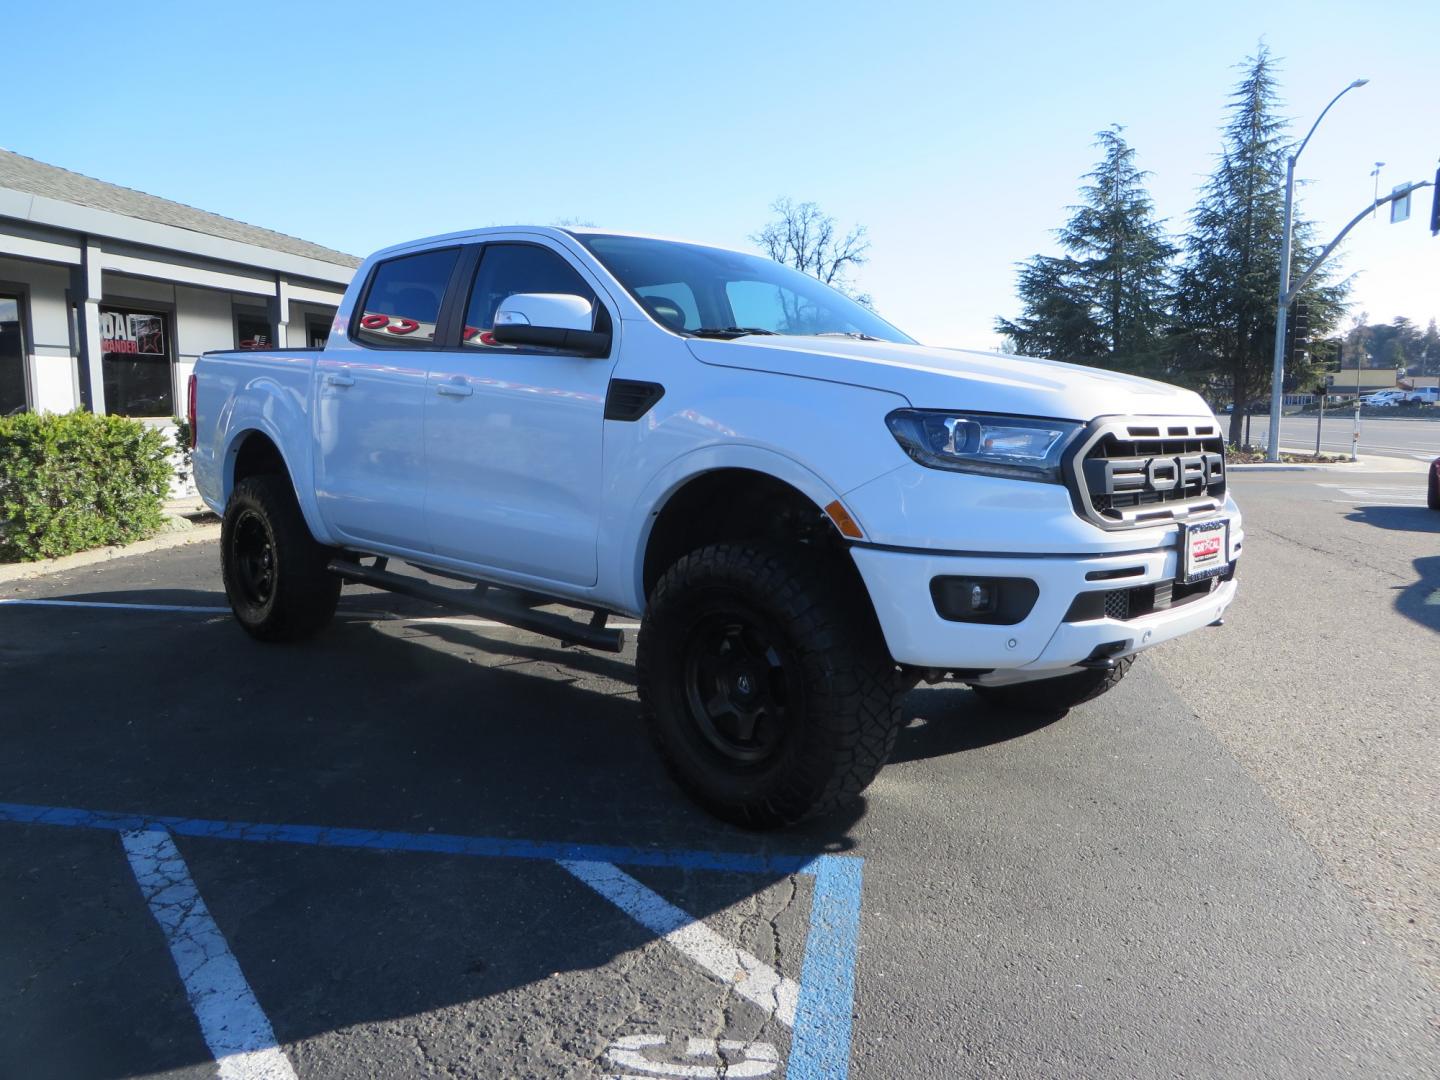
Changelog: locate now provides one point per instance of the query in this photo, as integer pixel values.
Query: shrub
(78, 481)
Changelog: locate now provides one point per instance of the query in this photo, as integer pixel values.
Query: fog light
(999, 601)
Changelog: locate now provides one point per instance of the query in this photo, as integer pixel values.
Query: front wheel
(766, 684)
(1057, 695)
(274, 571)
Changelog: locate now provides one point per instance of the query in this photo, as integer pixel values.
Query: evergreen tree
(1104, 302)
(1430, 351)
(1058, 323)
(1230, 282)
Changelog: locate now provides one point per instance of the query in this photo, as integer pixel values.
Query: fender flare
(639, 522)
(265, 407)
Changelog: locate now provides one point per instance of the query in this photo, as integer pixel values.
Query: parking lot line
(746, 974)
(820, 1043)
(11, 602)
(231, 1020)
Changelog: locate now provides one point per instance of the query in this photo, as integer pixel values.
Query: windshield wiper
(728, 331)
(854, 334)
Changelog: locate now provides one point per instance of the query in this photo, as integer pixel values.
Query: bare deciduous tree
(805, 237)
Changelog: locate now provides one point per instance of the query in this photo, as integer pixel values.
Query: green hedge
(78, 481)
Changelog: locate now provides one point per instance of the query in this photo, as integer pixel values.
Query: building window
(12, 357)
(317, 331)
(253, 330)
(136, 360)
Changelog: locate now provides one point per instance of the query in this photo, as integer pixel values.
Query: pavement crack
(1319, 550)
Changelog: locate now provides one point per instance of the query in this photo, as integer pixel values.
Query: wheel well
(737, 504)
(256, 455)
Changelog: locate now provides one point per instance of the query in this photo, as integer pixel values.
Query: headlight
(1015, 446)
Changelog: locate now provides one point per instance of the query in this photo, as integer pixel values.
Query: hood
(933, 378)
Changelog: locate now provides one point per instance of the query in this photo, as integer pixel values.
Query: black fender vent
(630, 400)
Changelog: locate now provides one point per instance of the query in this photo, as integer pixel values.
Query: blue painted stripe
(386, 840)
(820, 1046)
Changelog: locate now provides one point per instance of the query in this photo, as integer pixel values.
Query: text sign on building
(133, 333)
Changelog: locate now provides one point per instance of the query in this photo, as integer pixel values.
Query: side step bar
(490, 602)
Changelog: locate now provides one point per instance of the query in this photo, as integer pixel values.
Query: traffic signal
(1435, 207)
(1297, 331)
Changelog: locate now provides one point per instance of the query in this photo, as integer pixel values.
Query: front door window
(136, 350)
(12, 357)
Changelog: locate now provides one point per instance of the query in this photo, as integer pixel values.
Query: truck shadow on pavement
(390, 724)
(949, 720)
(1419, 519)
(1421, 601)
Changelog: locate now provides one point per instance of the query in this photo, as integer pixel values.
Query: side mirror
(552, 320)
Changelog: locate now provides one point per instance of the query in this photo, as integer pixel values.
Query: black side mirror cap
(584, 342)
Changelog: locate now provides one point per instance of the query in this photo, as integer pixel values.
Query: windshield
(710, 292)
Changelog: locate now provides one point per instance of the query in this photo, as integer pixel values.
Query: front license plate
(1203, 550)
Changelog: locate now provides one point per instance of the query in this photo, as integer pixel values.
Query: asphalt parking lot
(422, 846)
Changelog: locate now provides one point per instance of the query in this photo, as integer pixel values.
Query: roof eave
(42, 210)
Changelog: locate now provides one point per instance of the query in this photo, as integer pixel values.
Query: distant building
(107, 295)
(1367, 380)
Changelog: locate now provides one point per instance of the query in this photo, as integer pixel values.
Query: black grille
(1140, 600)
(1138, 474)
(1117, 604)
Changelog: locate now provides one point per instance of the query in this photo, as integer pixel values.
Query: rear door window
(402, 304)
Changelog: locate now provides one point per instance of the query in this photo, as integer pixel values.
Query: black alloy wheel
(253, 552)
(765, 682)
(736, 687)
(275, 573)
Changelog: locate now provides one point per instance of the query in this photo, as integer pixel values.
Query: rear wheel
(1054, 696)
(766, 684)
(274, 571)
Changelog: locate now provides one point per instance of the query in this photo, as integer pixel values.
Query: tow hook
(1218, 622)
(1103, 658)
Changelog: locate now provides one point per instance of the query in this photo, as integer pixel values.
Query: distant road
(1388, 438)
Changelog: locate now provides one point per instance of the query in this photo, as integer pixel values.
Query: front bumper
(1044, 643)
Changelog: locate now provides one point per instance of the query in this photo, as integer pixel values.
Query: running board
(490, 602)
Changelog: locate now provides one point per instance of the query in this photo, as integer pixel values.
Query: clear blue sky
(955, 132)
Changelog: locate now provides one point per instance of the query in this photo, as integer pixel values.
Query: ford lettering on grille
(1136, 471)
(1191, 474)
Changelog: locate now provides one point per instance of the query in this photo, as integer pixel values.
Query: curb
(1278, 466)
(197, 534)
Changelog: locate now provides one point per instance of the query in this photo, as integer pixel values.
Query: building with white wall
(107, 295)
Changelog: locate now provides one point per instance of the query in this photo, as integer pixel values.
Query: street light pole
(1282, 308)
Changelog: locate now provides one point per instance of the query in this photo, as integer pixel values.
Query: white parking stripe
(746, 974)
(113, 606)
(231, 1020)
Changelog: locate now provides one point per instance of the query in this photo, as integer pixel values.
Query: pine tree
(1430, 351)
(1105, 302)
(1058, 323)
(1230, 282)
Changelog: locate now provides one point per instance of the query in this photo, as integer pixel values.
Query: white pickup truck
(808, 511)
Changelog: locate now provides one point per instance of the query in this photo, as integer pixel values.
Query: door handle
(454, 389)
(339, 380)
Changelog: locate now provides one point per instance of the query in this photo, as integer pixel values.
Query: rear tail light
(190, 409)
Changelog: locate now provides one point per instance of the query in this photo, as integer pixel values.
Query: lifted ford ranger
(808, 511)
